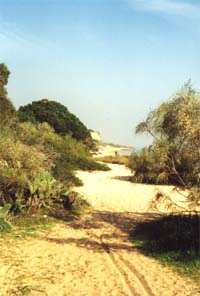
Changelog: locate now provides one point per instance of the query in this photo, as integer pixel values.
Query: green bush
(73, 201)
(38, 158)
(88, 164)
(57, 116)
(114, 159)
(5, 225)
(144, 167)
(7, 110)
(26, 181)
(173, 157)
(148, 167)
(67, 153)
(45, 192)
(36, 165)
(20, 164)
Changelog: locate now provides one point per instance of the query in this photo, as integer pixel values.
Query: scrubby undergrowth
(173, 157)
(38, 162)
(114, 159)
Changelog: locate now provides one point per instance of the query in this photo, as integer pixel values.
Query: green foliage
(174, 155)
(145, 167)
(73, 201)
(57, 116)
(37, 166)
(20, 164)
(38, 159)
(5, 225)
(7, 110)
(4, 74)
(114, 159)
(26, 182)
(88, 164)
(45, 191)
(67, 153)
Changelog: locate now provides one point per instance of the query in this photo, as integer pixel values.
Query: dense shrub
(57, 116)
(145, 167)
(20, 164)
(26, 181)
(5, 225)
(38, 160)
(69, 154)
(114, 159)
(88, 164)
(37, 165)
(174, 155)
(4, 75)
(7, 110)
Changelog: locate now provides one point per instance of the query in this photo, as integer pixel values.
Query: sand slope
(110, 191)
(93, 256)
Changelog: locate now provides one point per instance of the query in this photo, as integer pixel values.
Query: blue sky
(109, 61)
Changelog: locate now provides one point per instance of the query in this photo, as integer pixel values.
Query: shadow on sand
(159, 233)
(103, 220)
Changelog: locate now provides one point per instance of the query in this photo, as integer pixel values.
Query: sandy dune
(93, 256)
(107, 150)
(110, 191)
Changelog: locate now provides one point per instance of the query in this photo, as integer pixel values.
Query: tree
(57, 116)
(174, 156)
(4, 75)
(7, 110)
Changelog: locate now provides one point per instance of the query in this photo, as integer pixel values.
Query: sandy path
(110, 191)
(93, 256)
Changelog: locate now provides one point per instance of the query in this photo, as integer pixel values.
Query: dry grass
(114, 159)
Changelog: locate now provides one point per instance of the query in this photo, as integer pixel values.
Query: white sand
(108, 150)
(93, 256)
(105, 191)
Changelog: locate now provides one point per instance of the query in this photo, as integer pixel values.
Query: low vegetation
(5, 225)
(172, 158)
(57, 116)
(114, 159)
(41, 147)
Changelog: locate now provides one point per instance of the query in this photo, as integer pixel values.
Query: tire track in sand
(140, 277)
(117, 260)
(122, 274)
